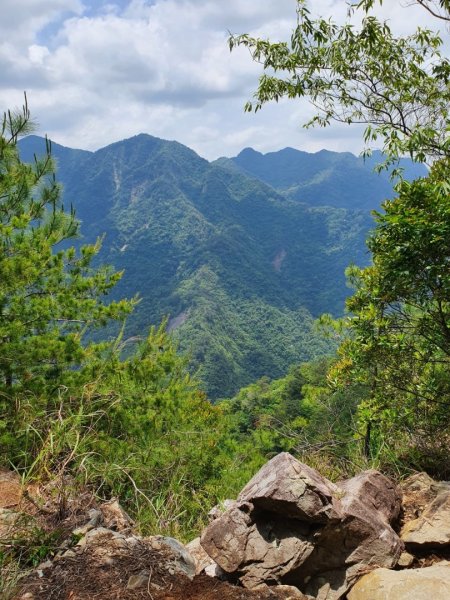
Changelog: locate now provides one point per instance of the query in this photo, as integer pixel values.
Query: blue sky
(98, 71)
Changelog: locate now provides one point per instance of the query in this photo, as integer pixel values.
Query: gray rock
(213, 570)
(141, 580)
(181, 560)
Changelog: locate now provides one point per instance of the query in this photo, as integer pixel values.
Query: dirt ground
(90, 575)
(80, 579)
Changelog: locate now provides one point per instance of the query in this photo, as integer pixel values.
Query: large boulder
(290, 488)
(427, 513)
(375, 491)
(292, 526)
(258, 548)
(409, 584)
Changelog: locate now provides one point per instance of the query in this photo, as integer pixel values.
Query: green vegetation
(397, 334)
(301, 414)
(124, 416)
(199, 240)
(74, 410)
(400, 329)
(49, 296)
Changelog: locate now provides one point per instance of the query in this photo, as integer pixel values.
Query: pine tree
(50, 296)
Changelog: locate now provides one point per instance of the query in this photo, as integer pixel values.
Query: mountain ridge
(242, 267)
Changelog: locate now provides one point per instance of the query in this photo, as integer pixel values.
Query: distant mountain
(240, 268)
(324, 178)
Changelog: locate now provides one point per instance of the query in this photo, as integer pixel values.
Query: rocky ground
(290, 534)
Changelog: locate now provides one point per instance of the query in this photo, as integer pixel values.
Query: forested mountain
(324, 178)
(241, 269)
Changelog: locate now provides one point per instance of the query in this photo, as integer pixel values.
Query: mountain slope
(240, 269)
(324, 178)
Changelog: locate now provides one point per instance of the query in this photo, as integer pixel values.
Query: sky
(98, 71)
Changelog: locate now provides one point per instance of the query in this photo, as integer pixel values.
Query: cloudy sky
(97, 71)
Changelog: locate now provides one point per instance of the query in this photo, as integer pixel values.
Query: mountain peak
(249, 152)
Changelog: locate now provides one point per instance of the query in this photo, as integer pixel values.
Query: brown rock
(376, 491)
(218, 510)
(419, 491)
(288, 592)
(290, 488)
(281, 592)
(432, 528)
(114, 517)
(409, 584)
(263, 550)
(291, 526)
(201, 558)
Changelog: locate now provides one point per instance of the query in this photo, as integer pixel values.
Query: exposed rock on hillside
(293, 526)
(418, 584)
(428, 512)
(290, 534)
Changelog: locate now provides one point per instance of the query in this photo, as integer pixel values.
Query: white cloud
(97, 72)
(21, 20)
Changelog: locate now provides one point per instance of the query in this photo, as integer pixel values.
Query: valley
(241, 255)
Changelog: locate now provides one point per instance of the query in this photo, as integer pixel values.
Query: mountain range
(240, 254)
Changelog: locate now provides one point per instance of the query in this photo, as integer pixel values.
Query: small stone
(288, 592)
(82, 531)
(115, 517)
(213, 570)
(281, 592)
(406, 560)
(95, 516)
(182, 561)
(107, 561)
(201, 558)
(138, 581)
(156, 587)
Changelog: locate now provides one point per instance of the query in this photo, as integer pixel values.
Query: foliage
(398, 344)
(197, 241)
(301, 414)
(362, 73)
(50, 297)
(129, 423)
(400, 328)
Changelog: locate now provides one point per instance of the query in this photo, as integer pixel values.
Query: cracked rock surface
(292, 526)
